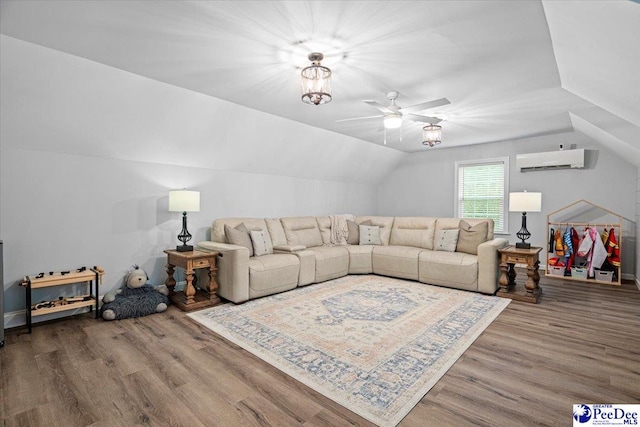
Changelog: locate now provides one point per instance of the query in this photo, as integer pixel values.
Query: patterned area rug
(373, 344)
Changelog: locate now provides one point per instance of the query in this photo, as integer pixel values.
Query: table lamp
(184, 201)
(524, 202)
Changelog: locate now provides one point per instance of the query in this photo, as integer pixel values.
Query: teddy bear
(135, 298)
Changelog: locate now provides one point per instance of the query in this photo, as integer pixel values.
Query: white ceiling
(508, 73)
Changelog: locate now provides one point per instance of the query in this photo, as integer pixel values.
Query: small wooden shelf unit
(89, 276)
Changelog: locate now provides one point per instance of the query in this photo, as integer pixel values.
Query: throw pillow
(470, 237)
(239, 236)
(261, 243)
(446, 240)
(369, 235)
(354, 231)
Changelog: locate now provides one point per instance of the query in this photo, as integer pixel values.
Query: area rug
(373, 344)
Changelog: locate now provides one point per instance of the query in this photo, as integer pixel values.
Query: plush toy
(136, 298)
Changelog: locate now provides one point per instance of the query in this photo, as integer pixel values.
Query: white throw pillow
(261, 244)
(369, 235)
(446, 240)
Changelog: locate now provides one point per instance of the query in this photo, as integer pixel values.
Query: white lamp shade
(525, 202)
(392, 121)
(184, 201)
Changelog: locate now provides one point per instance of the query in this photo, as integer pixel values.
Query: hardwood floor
(581, 344)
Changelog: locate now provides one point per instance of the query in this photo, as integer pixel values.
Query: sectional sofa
(409, 248)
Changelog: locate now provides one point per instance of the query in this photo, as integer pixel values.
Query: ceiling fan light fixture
(392, 121)
(316, 81)
(432, 135)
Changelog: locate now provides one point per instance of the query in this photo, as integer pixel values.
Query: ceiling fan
(393, 115)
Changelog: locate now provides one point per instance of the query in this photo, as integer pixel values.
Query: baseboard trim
(17, 318)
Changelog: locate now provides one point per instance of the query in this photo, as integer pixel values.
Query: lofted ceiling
(510, 69)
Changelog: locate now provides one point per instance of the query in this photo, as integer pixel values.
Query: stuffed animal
(135, 298)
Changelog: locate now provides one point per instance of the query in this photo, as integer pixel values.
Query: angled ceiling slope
(596, 48)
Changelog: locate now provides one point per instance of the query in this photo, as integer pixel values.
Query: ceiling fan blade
(425, 105)
(359, 118)
(422, 119)
(376, 104)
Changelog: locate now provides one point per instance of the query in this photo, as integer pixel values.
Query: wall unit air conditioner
(551, 160)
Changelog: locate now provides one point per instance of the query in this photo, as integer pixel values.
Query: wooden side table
(510, 256)
(192, 298)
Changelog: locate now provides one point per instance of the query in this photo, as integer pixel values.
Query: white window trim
(505, 213)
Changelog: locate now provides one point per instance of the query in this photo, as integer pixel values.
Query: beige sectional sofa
(302, 255)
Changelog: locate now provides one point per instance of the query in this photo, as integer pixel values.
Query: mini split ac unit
(551, 160)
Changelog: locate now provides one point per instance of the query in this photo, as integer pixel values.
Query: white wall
(423, 184)
(89, 153)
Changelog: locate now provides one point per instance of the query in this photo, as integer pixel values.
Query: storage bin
(604, 276)
(556, 271)
(578, 272)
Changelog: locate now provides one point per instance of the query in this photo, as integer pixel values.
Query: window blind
(481, 192)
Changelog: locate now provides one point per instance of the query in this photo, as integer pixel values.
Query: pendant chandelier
(316, 81)
(432, 135)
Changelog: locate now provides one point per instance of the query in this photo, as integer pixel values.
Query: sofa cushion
(217, 228)
(273, 273)
(360, 259)
(446, 240)
(324, 225)
(452, 269)
(354, 231)
(416, 231)
(369, 235)
(274, 226)
(396, 261)
(261, 243)
(239, 235)
(451, 223)
(331, 262)
(384, 222)
(471, 236)
(302, 231)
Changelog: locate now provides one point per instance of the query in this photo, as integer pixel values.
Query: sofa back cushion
(324, 224)
(217, 228)
(384, 222)
(453, 223)
(276, 231)
(302, 230)
(416, 231)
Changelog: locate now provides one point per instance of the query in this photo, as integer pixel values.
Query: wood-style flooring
(581, 344)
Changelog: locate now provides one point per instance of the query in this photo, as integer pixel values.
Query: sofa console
(273, 255)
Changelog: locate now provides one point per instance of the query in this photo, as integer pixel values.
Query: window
(481, 191)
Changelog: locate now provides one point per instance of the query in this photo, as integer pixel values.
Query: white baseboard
(14, 319)
(17, 318)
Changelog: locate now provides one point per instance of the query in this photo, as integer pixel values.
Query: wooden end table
(192, 297)
(510, 256)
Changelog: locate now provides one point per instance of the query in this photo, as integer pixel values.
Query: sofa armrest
(233, 270)
(489, 265)
(288, 248)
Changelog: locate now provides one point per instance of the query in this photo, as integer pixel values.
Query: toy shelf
(579, 215)
(82, 275)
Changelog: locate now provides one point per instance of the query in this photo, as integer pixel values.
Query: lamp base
(184, 248)
(523, 245)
